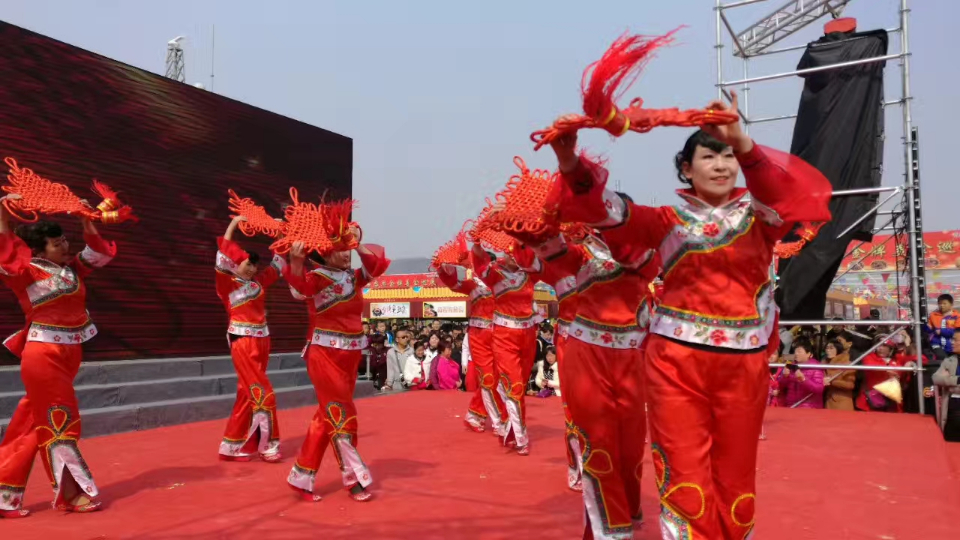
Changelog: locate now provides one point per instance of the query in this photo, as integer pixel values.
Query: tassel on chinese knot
(607, 79)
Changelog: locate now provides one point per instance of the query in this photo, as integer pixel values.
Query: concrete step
(96, 396)
(142, 416)
(126, 371)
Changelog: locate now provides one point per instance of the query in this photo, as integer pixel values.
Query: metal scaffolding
(175, 68)
(757, 40)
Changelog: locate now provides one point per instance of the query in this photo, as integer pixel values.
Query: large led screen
(172, 151)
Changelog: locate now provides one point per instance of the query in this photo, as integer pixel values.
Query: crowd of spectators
(800, 385)
(435, 355)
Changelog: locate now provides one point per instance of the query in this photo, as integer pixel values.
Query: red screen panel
(172, 151)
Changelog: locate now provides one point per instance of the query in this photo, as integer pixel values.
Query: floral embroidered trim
(708, 320)
(767, 215)
(249, 291)
(737, 334)
(597, 462)
(62, 280)
(552, 249)
(697, 236)
(94, 259)
(618, 211)
(45, 333)
(598, 271)
(263, 422)
(11, 497)
(512, 281)
(225, 264)
(342, 289)
(565, 287)
(673, 521)
(517, 323)
(301, 477)
(612, 337)
(477, 322)
(643, 313)
(237, 328)
(338, 340)
(481, 291)
(58, 441)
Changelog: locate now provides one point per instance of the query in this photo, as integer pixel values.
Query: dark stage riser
(134, 395)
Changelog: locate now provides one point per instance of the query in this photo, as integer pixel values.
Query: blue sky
(439, 96)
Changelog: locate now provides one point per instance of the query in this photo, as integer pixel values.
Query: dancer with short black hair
(48, 281)
(253, 427)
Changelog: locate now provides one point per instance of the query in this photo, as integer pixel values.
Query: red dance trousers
(706, 412)
(513, 353)
(253, 425)
(486, 401)
(605, 395)
(334, 376)
(46, 420)
(571, 435)
(471, 379)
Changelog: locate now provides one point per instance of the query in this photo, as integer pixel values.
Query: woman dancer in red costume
(253, 427)
(560, 266)
(333, 354)
(706, 362)
(514, 331)
(36, 264)
(486, 400)
(602, 374)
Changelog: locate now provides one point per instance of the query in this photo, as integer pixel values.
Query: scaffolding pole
(775, 28)
(911, 191)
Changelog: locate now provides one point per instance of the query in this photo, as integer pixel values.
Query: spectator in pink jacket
(801, 388)
(445, 371)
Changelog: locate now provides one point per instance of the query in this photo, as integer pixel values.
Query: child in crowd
(414, 373)
(548, 376)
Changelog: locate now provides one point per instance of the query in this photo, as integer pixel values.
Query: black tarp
(839, 130)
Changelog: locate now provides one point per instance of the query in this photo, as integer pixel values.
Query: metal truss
(785, 21)
(756, 41)
(175, 64)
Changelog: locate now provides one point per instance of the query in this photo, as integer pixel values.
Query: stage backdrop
(173, 151)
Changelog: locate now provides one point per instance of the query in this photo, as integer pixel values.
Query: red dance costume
(53, 300)
(560, 269)
(486, 400)
(706, 364)
(253, 426)
(603, 367)
(514, 337)
(333, 355)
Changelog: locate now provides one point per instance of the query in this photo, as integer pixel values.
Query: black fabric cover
(839, 130)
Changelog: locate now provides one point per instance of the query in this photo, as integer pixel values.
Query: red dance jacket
(561, 263)
(245, 300)
(613, 298)
(336, 304)
(458, 279)
(717, 261)
(512, 290)
(53, 297)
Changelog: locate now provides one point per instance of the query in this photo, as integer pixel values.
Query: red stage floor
(822, 475)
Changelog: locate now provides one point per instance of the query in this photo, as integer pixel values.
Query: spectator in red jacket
(869, 398)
